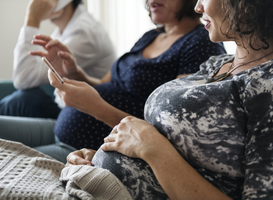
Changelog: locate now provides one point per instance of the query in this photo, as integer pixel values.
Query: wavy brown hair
(75, 3)
(253, 18)
(187, 9)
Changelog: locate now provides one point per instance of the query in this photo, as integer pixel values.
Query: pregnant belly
(134, 173)
(121, 166)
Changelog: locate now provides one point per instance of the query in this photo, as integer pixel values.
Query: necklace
(230, 70)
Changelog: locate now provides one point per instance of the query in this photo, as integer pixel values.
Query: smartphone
(61, 4)
(55, 73)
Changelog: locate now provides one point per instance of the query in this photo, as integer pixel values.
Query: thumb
(72, 82)
(109, 146)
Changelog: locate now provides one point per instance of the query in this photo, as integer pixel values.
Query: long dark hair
(75, 3)
(253, 18)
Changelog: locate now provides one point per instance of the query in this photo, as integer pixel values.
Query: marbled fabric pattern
(223, 129)
(134, 173)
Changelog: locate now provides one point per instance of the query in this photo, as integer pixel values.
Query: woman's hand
(79, 95)
(137, 138)
(80, 157)
(58, 55)
(82, 96)
(39, 10)
(134, 137)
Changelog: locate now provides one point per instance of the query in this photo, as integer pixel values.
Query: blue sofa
(6, 88)
(22, 125)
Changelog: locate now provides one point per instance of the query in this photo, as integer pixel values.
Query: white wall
(12, 14)
(125, 20)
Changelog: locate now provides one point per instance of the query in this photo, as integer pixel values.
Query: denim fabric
(29, 103)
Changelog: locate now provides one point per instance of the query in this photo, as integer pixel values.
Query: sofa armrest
(15, 127)
(6, 88)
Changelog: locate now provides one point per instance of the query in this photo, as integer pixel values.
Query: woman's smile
(155, 6)
(207, 23)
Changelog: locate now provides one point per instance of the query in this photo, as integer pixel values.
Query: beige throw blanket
(27, 174)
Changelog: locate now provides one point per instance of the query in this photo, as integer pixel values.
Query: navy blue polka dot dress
(133, 79)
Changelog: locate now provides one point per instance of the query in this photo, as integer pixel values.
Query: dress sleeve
(258, 104)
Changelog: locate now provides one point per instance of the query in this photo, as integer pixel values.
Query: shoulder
(198, 34)
(85, 27)
(214, 62)
(86, 22)
(260, 77)
(219, 59)
(198, 40)
(264, 68)
(146, 38)
(83, 21)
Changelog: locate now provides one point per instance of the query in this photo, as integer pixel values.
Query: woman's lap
(80, 130)
(29, 103)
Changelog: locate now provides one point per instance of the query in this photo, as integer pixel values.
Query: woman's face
(213, 16)
(164, 11)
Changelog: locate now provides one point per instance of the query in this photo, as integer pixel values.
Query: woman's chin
(158, 20)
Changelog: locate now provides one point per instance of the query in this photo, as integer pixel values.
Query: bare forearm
(95, 81)
(178, 178)
(103, 111)
(32, 21)
(110, 115)
(81, 75)
(38, 11)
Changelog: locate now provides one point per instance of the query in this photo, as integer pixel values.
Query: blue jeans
(36, 133)
(29, 103)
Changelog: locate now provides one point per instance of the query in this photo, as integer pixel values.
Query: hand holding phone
(55, 73)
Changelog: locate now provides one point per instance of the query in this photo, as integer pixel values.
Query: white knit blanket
(27, 174)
